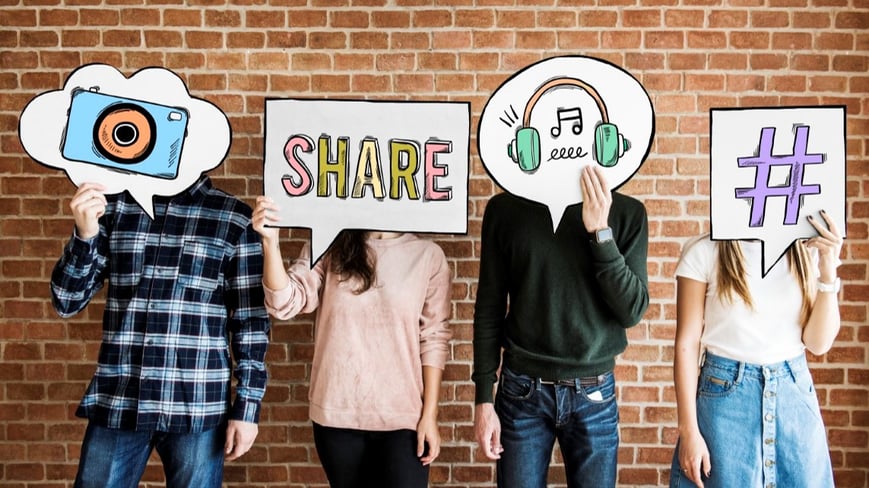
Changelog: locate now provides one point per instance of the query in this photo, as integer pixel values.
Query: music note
(565, 115)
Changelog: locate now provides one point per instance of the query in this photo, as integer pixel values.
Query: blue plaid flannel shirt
(183, 289)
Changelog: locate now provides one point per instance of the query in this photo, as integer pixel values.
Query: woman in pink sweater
(381, 342)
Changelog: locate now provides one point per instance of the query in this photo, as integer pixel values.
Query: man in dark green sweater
(558, 304)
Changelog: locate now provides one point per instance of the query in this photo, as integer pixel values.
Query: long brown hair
(350, 257)
(731, 274)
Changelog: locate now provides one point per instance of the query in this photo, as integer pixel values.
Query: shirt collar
(194, 192)
(199, 189)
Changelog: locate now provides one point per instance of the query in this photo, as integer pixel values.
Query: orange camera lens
(125, 133)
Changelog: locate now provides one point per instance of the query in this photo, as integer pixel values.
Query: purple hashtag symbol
(793, 190)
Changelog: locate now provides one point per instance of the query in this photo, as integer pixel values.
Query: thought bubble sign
(771, 169)
(551, 119)
(144, 134)
(332, 165)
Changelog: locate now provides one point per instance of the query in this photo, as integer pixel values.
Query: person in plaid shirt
(184, 299)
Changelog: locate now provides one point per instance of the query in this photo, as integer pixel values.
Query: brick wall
(690, 55)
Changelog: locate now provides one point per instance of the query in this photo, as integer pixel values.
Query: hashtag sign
(793, 190)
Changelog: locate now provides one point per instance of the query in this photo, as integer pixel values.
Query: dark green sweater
(570, 299)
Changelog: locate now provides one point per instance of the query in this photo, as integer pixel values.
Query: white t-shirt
(768, 333)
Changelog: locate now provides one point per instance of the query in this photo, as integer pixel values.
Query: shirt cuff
(483, 393)
(246, 410)
(81, 250)
(605, 251)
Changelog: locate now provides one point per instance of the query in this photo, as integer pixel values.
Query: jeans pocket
(713, 384)
(802, 381)
(515, 386)
(603, 392)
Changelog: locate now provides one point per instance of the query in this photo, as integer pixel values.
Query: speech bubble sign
(144, 134)
(551, 119)
(773, 167)
(332, 165)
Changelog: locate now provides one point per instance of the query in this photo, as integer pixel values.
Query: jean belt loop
(538, 384)
(740, 371)
(577, 385)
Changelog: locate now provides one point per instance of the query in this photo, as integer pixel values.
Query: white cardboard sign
(771, 169)
(144, 134)
(551, 119)
(349, 164)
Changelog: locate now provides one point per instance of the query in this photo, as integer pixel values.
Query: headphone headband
(526, 119)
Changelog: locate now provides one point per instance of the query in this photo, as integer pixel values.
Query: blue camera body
(128, 135)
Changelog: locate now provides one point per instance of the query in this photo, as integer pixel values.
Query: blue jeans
(584, 419)
(762, 426)
(113, 458)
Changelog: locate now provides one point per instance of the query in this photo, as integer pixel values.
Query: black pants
(363, 458)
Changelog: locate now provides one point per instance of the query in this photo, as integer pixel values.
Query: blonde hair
(731, 275)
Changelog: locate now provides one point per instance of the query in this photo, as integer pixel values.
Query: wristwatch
(830, 287)
(603, 235)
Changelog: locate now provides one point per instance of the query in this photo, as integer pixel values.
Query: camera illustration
(128, 135)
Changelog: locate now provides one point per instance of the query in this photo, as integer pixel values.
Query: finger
(588, 194)
(269, 205)
(707, 465)
(828, 231)
(420, 444)
(489, 446)
(88, 195)
(830, 223)
(600, 185)
(692, 472)
(822, 231)
(229, 445)
(487, 450)
(89, 204)
(433, 452)
(497, 448)
(238, 451)
(91, 211)
(593, 180)
(232, 456)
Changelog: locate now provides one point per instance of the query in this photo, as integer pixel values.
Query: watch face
(603, 235)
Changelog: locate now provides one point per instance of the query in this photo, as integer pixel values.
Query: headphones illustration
(609, 145)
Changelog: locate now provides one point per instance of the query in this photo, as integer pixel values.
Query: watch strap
(833, 287)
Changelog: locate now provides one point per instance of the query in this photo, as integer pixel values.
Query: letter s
(304, 185)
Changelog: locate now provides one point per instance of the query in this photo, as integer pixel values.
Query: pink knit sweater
(370, 348)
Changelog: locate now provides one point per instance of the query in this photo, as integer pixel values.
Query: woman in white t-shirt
(747, 409)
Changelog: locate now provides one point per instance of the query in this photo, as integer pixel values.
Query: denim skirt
(762, 426)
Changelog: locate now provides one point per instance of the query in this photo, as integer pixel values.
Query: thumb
(230, 441)
(420, 444)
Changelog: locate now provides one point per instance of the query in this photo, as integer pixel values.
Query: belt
(585, 381)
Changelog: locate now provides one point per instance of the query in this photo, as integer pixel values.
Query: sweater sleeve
(620, 264)
(302, 293)
(490, 308)
(434, 330)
